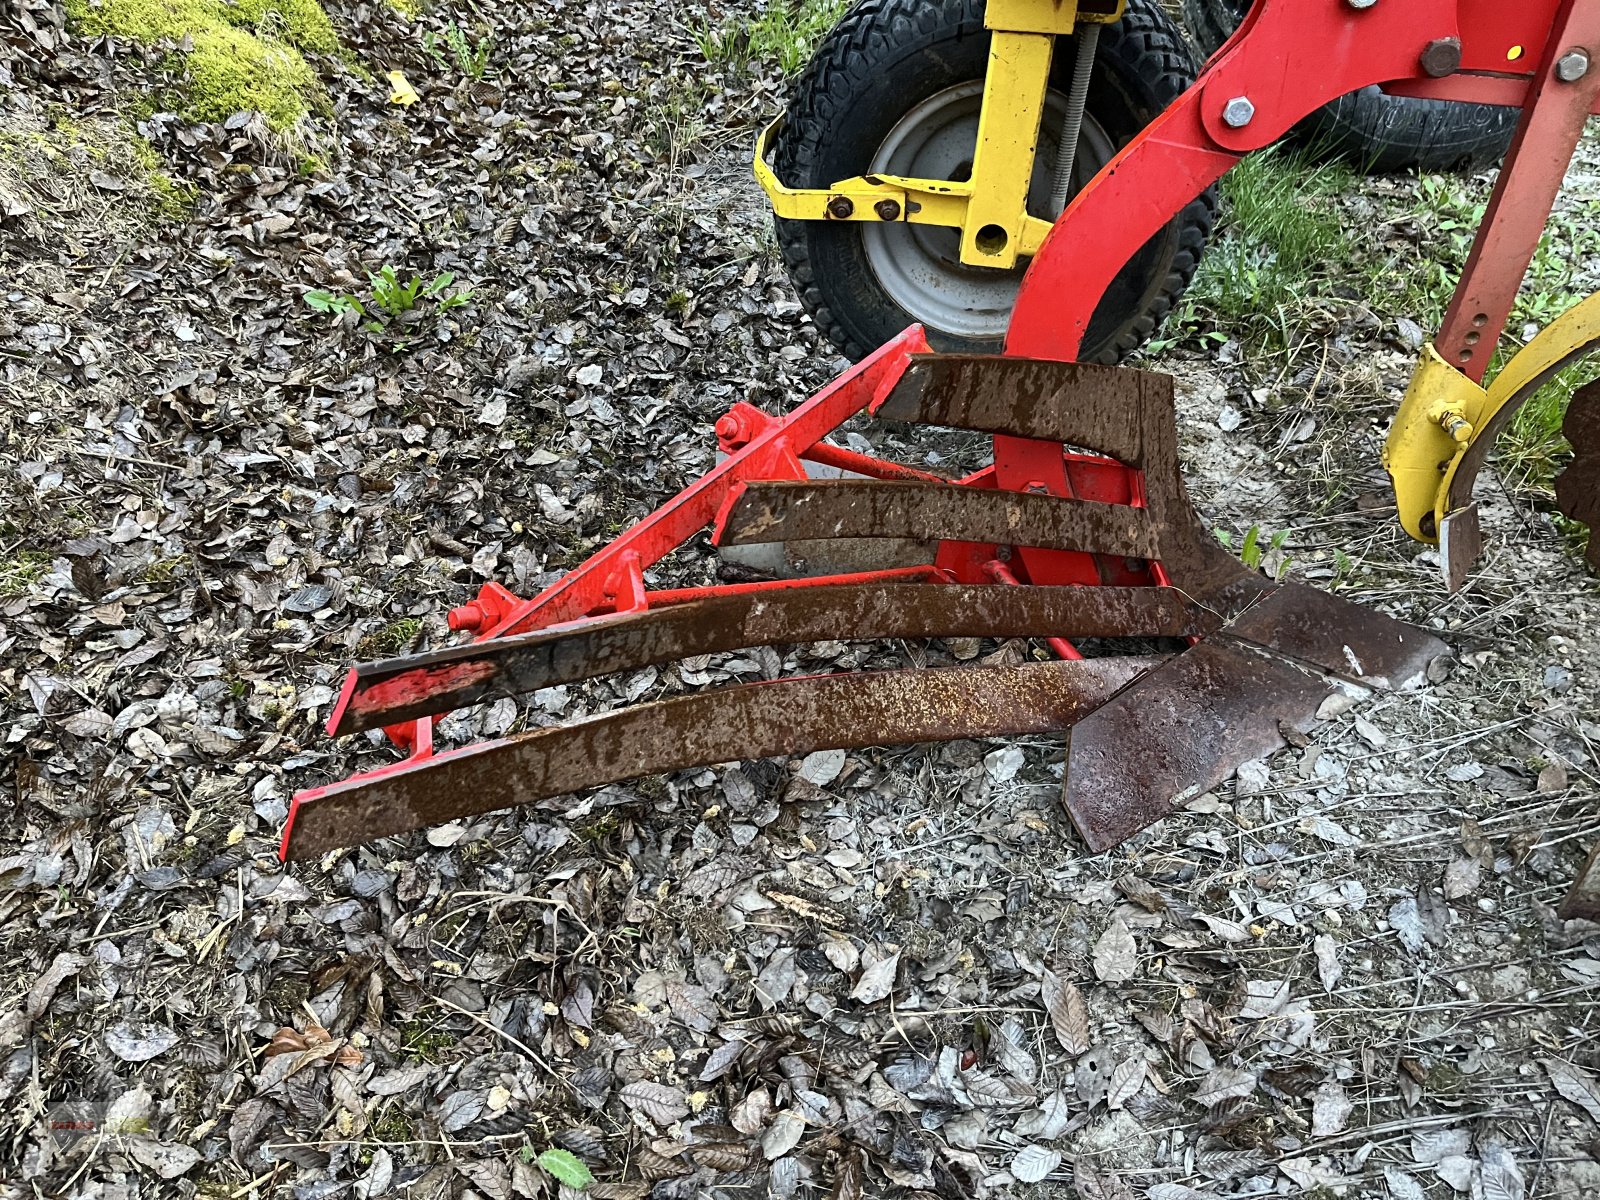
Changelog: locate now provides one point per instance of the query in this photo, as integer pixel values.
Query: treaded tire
(887, 56)
(1375, 133)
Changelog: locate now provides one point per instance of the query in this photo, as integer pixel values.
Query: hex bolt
(887, 210)
(841, 208)
(731, 431)
(1573, 65)
(1238, 112)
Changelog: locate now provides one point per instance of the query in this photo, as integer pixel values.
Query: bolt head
(1361, 3)
(1572, 66)
(841, 208)
(467, 617)
(1442, 57)
(887, 210)
(1238, 112)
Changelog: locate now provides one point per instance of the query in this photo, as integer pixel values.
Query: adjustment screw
(841, 208)
(1572, 66)
(887, 210)
(1238, 112)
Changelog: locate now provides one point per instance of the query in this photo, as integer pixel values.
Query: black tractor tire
(1375, 133)
(884, 59)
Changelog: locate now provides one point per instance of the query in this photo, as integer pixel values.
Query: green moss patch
(242, 56)
(21, 571)
(98, 169)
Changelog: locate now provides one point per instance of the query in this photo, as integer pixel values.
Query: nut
(887, 210)
(841, 208)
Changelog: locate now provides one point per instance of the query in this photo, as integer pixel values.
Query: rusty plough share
(1080, 528)
(1148, 729)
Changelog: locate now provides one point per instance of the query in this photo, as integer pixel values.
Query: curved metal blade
(1082, 404)
(787, 716)
(398, 689)
(1578, 486)
(1181, 729)
(787, 511)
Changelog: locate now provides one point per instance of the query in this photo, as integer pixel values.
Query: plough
(1080, 527)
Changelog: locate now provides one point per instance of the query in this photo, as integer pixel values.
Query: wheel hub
(920, 266)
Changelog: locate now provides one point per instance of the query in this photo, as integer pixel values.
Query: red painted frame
(1288, 57)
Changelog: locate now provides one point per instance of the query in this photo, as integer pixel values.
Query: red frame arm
(1288, 58)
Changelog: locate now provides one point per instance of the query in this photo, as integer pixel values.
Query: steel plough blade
(383, 693)
(1178, 731)
(1147, 733)
(1084, 404)
(1578, 486)
(853, 508)
(786, 716)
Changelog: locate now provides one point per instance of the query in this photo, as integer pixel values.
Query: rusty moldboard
(1583, 898)
(786, 716)
(784, 511)
(1178, 731)
(1080, 404)
(1338, 637)
(1148, 733)
(1578, 486)
(438, 681)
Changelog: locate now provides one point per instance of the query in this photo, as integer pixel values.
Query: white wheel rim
(919, 266)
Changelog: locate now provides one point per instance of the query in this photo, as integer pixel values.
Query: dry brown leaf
(1069, 1014)
(1116, 958)
(1126, 1081)
(1033, 1163)
(662, 1104)
(1575, 1084)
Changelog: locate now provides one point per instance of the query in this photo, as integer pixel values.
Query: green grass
(784, 35)
(1291, 242)
(470, 55)
(1279, 240)
(1447, 213)
(391, 639)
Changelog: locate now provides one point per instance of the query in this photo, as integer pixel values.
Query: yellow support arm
(1445, 414)
(878, 198)
(990, 208)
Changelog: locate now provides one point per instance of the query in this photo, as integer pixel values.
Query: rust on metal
(786, 716)
(1578, 486)
(1081, 404)
(1149, 734)
(421, 685)
(1460, 544)
(1583, 898)
(1178, 731)
(1337, 637)
(853, 508)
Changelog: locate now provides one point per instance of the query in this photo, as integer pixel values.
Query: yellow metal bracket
(1431, 432)
(878, 199)
(1445, 414)
(989, 208)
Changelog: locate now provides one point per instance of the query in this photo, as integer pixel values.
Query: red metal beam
(1565, 89)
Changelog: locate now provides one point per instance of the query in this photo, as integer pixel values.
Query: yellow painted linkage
(1444, 412)
(990, 208)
